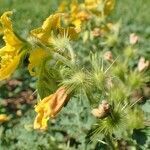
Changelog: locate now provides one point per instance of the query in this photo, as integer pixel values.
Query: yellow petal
(77, 23)
(9, 54)
(69, 32)
(44, 33)
(74, 6)
(62, 7)
(98, 5)
(35, 60)
(11, 39)
(38, 121)
(10, 67)
(109, 6)
(91, 4)
(5, 20)
(44, 111)
(43, 103)
(53, 21)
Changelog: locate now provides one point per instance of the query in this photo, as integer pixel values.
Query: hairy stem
(110, 143)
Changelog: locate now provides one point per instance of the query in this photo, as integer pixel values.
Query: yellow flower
(10, 54)
(8, 64)
(44, 33)
(91, 4)
(109, 6)
(49, 107)
(3, 118)
(78, 15)
(99, 6)
(5, 20)
(63, 6)
(34, 60)
(52, 28)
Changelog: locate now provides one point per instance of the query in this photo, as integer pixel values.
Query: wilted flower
(3, 118)
(49, 107)
(143, 64)
(10, 54)
(133, 38)
(102, 110)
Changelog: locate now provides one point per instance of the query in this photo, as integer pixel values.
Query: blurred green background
(29, 14)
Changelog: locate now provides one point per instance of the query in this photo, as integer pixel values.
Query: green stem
(71, 53)
(56, 55)
(110, 143)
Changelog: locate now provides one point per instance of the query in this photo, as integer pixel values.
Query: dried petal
(49, 107)
(95, 112)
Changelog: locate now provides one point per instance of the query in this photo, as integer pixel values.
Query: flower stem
(71, 53)
(110, 143)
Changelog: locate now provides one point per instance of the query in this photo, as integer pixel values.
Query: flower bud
(133, 38)
(142, 64)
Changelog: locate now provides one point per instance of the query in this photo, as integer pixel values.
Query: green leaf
(47, 79)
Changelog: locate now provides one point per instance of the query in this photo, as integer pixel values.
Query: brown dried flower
(102, 110)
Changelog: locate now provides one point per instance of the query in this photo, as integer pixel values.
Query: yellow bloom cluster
(9, 54)
(78, 13)
(100, 6)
